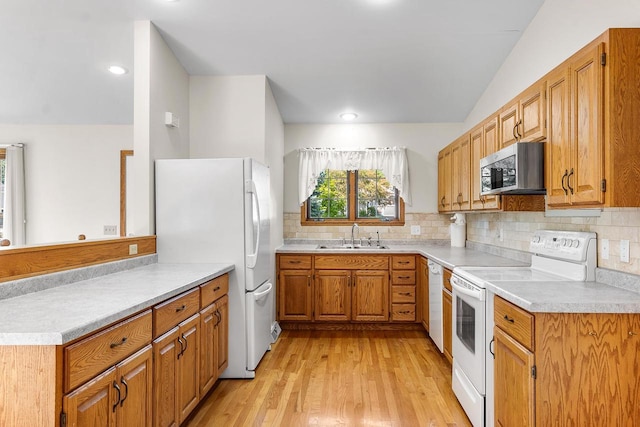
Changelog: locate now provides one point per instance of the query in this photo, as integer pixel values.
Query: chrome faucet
(353, 240)
(378, 242)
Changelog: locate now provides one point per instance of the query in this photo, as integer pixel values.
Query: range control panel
(574, 246)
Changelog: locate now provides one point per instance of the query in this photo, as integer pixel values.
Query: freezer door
(257, 224)
(259, 308)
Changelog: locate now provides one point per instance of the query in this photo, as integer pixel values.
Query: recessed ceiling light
(348, 116)
(117, 69)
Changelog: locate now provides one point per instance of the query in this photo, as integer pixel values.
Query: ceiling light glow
(348, 116)
(117, 70)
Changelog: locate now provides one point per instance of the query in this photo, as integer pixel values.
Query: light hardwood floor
(339, 378)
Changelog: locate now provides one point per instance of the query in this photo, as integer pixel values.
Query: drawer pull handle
(294, 262)
(406, 293)
(404, 277)
(181, 308)
(405, 312)
(631, 333)
(404, 262)
(509, 319)
(115, 385)
(216, 289)
(126, 390)
(117, 344)
(593, 334)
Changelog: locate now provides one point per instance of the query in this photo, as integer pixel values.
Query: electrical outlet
(500, 234)
(133, 249)
(624, 250)
(110, 230)
(604, 248)
(415, 230)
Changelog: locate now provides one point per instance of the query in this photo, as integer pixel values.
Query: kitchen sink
(335, 247)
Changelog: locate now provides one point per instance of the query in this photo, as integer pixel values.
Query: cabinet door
(447, 312)
(333, 295)
(135, 378)
(508, 120)
(94, 403)
(444, 180)
(165, 365)
(296, 296)
(370, 295)
(513, 382)
(188, 384)
(208, 348)
(423, 275)
(460, 183)
(558, 145)
(223, 333)
(587, 126)
(477, 153)
(491, 142)
(531, 114)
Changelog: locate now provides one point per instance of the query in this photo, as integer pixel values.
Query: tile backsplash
(510, 230)
(433, 226)
(514, 229)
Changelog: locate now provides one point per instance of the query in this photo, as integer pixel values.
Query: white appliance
(217, 211)
(557, 256)
(435, 303)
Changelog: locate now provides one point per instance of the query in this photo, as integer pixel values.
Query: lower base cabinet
(120, 396)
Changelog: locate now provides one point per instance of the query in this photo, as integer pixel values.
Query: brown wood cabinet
(484, 141)
(447, 315)
(423, 275)
(523, 119)
(403, 288)
(176, 372)
(461, 174)
(295, 290)
(333, 295)
(120, 396)
(370, 296)
(444, 180)
(565, 369)
(213, 342)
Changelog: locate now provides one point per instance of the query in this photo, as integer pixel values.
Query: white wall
(72, 178)
(274, 157)
(228, 116)
(161, 85)
(422, 140)
(560, 28)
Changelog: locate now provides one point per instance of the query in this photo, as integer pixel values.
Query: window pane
(377, 198)
(330, 198)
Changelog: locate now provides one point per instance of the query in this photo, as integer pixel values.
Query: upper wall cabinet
(592, 156)
(444, 180)
(484, 141)
(523, 118)
(461, 174)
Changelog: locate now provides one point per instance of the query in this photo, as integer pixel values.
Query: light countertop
(61, 314)
(561, 297)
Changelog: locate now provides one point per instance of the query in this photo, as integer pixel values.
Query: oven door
(468, 343)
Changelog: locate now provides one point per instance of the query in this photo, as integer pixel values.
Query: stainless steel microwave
(516, 169)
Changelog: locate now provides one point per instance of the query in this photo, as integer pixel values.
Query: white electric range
(557, 256)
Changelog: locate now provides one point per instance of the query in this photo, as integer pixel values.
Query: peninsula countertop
(61, 314)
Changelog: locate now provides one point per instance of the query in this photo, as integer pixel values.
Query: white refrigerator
(217, 211)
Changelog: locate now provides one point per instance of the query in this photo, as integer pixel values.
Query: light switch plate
(415, 230)
(624, 250)
(604, 248)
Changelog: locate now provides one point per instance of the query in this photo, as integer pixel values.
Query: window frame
(352, 214)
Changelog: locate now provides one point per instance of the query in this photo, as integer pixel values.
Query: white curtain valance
(391, 161)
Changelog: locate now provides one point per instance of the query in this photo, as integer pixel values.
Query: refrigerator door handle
(259, 295)
(251, 188)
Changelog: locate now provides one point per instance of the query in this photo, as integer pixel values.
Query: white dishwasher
(435, 303)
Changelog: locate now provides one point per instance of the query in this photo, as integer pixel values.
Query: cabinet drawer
(170, 313)
(403, 312)
(403, 294)
(362, 262)
(403, 262)
(514, 321)
(302, 262)
(403, 277)
(92, 355)
(214, 289)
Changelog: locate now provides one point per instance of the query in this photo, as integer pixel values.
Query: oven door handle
(473, 293)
